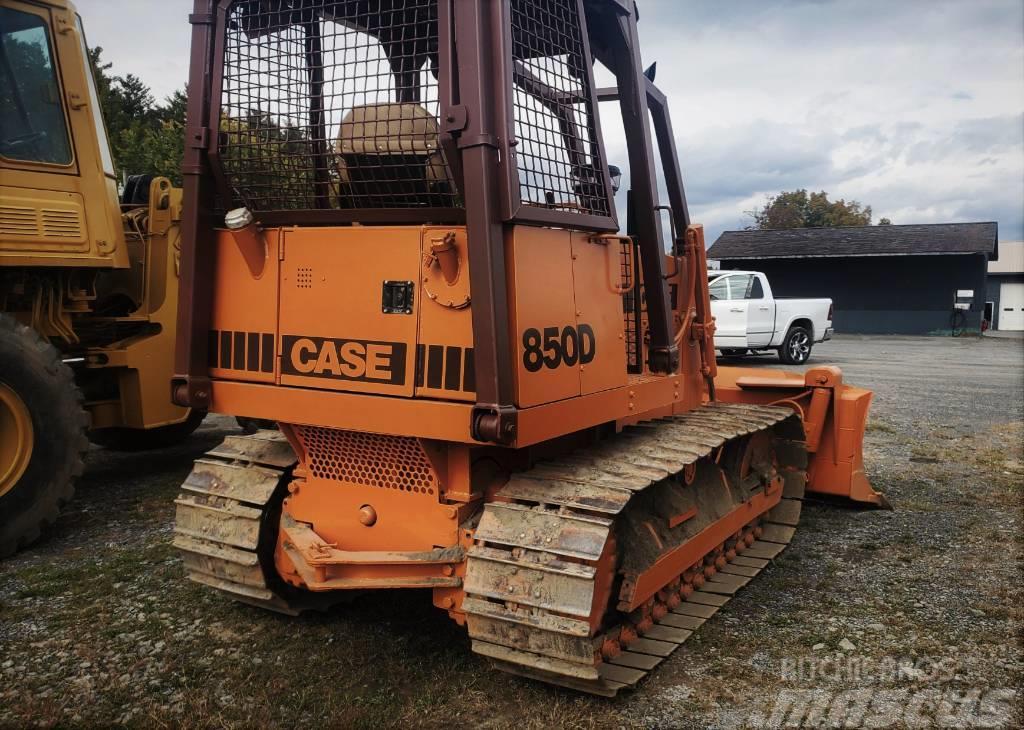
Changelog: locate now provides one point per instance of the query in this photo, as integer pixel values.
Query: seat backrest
(388, 129)
(390, 155)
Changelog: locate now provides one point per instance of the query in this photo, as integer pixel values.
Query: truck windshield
(32, 124)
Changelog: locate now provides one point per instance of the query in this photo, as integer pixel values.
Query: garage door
(1011, 305)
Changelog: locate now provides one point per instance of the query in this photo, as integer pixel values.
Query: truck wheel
(42, 435)
(796, 348)
(145, 439)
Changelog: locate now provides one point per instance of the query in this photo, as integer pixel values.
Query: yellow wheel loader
(88, 281)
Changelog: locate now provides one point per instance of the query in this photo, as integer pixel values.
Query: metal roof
(936, 239)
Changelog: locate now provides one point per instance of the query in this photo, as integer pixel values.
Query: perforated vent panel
(391, 462)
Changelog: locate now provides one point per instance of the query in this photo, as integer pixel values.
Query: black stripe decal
(252, 351)
(435, 366)
(212, 345)
(452, 368)
(238, 356)
(225, 349)
(421, 351)
(267, 353)
(469, 372)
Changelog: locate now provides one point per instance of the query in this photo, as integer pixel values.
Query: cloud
(912, 107)
(759, 156)
(990, 135)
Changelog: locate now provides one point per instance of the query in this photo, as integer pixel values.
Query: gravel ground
(909, 618)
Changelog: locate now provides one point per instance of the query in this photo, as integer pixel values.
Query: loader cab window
(32, 123)
(106, 158)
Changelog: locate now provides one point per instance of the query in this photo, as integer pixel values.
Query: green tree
(136, 100)
(797, 209)
(145, 137)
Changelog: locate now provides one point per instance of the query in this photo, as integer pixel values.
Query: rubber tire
(33, 368)
(735, 352)
(784, 354)
(145, 439)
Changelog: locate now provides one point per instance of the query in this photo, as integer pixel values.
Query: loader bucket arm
(834, 415)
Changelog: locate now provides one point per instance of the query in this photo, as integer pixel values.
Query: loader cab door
(59, 191)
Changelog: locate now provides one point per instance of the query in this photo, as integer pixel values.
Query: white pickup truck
(748, 318)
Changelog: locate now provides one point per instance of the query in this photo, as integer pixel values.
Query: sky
(914, 107)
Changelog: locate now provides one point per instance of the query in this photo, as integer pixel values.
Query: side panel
(244, 313)
(444, 350)
(539, 264)
(600, 336)
(790, 310)
(334, 330)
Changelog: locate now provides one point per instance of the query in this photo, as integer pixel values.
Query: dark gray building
(881, 279)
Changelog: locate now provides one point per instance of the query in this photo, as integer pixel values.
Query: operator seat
(389, 156)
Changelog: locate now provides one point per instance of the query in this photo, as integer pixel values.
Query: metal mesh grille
(557, 150)
(332, 105)
(391, 462)
(631, 305)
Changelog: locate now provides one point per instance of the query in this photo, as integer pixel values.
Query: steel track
(532, 577)
(220, 516)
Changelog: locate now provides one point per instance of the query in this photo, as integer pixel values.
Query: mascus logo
(324, 357)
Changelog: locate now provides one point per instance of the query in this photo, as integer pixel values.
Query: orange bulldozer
(402, 245)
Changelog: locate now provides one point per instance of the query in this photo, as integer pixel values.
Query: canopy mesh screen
(557, 153)
(332, 105)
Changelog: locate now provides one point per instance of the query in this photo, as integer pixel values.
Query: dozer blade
(835, 416)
